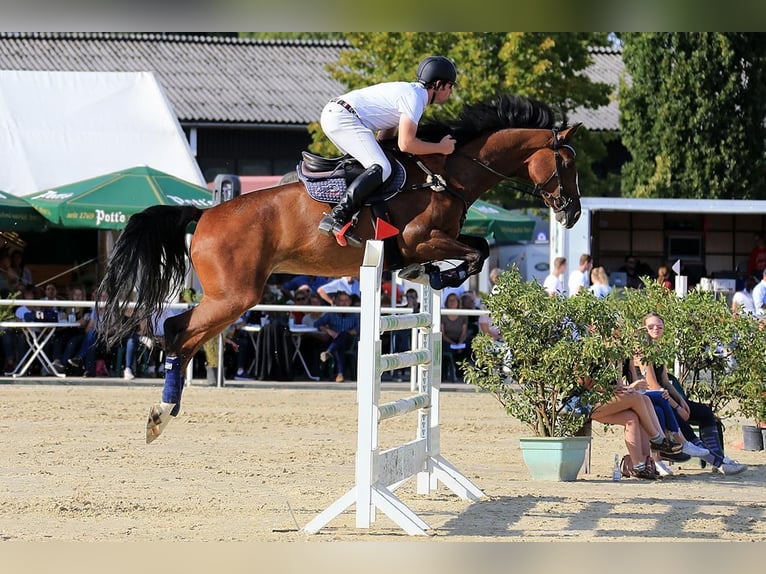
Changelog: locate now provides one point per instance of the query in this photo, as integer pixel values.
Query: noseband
(556, 200)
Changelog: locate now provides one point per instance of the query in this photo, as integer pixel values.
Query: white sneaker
(729, 468)
(693, 450)
(662, 468)
(128, 375)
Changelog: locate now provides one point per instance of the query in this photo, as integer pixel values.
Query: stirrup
(345, 236)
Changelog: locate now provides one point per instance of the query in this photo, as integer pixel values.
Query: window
(686, 247)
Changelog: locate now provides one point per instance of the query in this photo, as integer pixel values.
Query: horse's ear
(567, 133)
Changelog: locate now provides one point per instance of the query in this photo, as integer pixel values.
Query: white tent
(61, 127)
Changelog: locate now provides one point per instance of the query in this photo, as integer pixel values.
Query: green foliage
(544, 66)
(549, 347)
(692, 116)
(747, 380)
(698, 330)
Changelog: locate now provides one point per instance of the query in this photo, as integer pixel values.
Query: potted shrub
(747, 379)
(556, 358)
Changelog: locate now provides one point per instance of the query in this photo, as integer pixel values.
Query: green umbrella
(17, 215)
(486, 219)
(108, 201)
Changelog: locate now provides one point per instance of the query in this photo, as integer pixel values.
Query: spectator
(66, 342)
(487, 326)
(599, 283)
(468, 301)
(756, 263)
(309, 319)
(241, 343)
(343, 330)
(643, 432)
(347, 284)
(709, 437)
(19, 266)
(554, 283)
(580, 277)
(296, 282)
(9, 281)
(633, 271)
(759, 296)
(663, 277)
(454, 333)
(84, 359)
(15, 344)
(657, 380)
(742, 302)
(301, 297)
(667, 406)
(312, 344)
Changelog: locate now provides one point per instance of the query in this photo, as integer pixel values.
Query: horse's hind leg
(185, 334)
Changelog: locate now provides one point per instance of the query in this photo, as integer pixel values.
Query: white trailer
(712, 237)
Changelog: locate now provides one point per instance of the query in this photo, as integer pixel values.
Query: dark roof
(607, 67)
(206, 78)
(225, 80)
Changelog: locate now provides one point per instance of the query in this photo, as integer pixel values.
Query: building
(244, 104)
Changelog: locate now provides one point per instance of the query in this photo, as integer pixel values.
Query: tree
(693, 115)
(543, 66)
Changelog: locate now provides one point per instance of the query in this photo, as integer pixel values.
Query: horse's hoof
(157, 421)
(414, 273)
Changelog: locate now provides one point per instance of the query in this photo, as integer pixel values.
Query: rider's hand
(448, 144)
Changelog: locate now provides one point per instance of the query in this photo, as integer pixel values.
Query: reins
(557, 202)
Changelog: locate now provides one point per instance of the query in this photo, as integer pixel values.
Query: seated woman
(669, 408)
(658, 382)
(643, 432)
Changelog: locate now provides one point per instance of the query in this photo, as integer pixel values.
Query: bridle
(556, 200)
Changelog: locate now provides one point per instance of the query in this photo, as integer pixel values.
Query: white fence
(379, 474)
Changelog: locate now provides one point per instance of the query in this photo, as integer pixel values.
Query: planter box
(752, 437)
(554, 458)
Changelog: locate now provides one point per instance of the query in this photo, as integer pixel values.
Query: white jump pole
(378, 474)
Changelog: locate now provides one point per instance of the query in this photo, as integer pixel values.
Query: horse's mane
(501, 112)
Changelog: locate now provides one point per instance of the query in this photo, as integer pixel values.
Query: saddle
(327, 178)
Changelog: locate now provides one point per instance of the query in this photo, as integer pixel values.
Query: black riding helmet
(434, 68)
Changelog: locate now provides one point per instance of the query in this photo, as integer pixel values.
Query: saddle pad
(332, 190)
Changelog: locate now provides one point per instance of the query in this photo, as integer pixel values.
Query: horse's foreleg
(439, 247)
(481, 248)
(185, 335)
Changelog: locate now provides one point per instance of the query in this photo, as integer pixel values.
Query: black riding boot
(359, 190)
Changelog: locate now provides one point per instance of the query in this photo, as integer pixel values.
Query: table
(37, 335)
(297, 332)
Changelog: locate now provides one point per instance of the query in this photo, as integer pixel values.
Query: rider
(351, 120)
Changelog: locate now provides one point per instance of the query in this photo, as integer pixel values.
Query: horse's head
(552, 169)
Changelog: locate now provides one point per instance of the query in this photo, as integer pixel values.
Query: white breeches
(350, 136)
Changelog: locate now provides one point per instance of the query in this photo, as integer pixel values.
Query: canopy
(17, 215)
(108, 201)
(60, 127)
(486, 219)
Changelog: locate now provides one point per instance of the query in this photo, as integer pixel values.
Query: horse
(237, 244)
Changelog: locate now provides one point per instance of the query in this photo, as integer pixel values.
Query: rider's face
(442, 92)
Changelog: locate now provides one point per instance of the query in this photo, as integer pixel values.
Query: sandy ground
(257, 464)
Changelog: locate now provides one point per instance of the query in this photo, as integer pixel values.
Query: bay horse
(237, 244)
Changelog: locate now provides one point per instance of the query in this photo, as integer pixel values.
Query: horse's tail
(150, 258)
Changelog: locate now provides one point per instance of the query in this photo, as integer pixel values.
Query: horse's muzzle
(568, 218)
